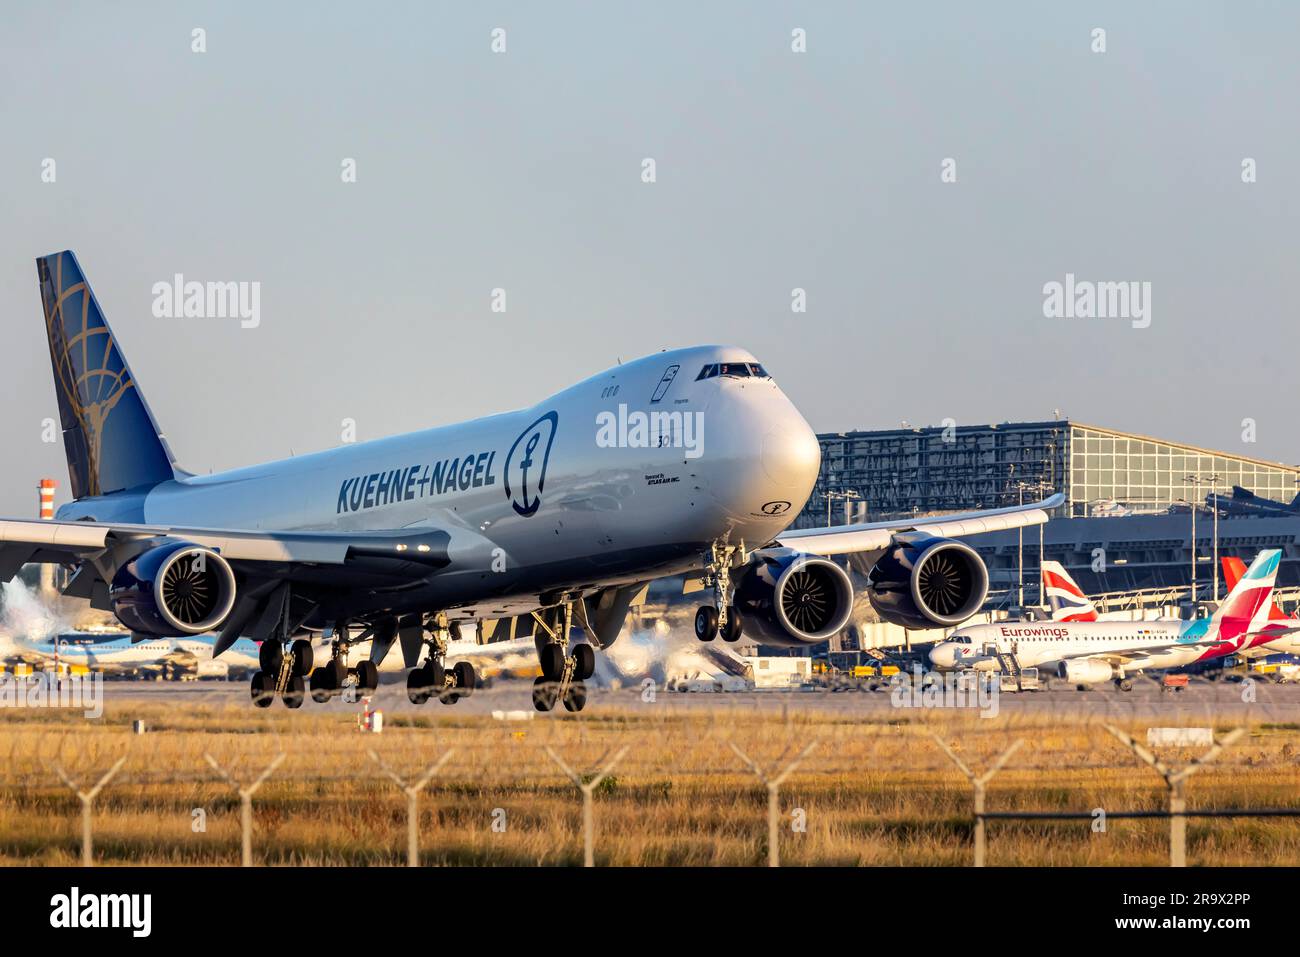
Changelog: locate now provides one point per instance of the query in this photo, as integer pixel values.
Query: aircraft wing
(876, 536)
(23, 541)
(319, 564)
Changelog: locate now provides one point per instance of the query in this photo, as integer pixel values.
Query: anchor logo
(526, 477)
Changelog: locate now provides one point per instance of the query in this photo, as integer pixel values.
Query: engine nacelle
(927, 582)
(1085, 671)
(176, 588)
(792, 600)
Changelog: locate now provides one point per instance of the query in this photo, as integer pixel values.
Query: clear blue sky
(775, 170)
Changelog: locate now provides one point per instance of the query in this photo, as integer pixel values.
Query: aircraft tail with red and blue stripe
(1066, 599)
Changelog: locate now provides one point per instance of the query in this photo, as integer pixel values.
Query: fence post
(245, 803)
(87, 799)
(773, 786)
(979, 782)
(587, 788)
(1175, 782)
(412, 792)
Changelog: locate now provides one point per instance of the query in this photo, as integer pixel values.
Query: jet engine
(924, 582)
(790, 599)
(176, 588)
(1085, 671)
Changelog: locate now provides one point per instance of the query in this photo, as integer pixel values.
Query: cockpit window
(736, 370)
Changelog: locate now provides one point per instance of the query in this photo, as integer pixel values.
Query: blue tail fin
(110, 438)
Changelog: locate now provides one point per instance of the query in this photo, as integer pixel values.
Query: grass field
(873, 790)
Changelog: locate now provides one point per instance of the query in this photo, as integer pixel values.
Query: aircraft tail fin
(110, 437)
(1067, 600)
(1233, 569)
(1247, 606)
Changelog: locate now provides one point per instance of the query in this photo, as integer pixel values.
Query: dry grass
(874, 792)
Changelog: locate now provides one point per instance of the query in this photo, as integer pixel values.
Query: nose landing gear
(720, 618)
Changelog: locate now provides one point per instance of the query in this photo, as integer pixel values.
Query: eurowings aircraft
(1090, 652)
(689, 462)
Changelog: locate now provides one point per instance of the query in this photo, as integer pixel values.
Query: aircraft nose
(791, 455)
(943, 656)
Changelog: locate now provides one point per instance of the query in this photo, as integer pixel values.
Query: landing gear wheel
(302, 657)
(294, 692)
(544, 694)
(262, 690)
(575, 699)
(417, 686)
(1124, 684)
(320, 686)
(338, 672)
(269, 656)
(584, 661)
(367, 677)
(448, 697)
(466, 680)
(706, 623)
(731, 631)
(551, 658)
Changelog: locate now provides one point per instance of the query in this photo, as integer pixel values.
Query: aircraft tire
(262, 690)
(417, 686)
(706, 623)
(319, 684)
(544, 694)
(367, 677)
(269, 656)
(575, 699)
(551, 658)
(584, 659)
(466, 679)
(302, 657)
(734, 625)
(295, 692)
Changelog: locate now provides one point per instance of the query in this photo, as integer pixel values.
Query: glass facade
(869, 476)
(1145, 475)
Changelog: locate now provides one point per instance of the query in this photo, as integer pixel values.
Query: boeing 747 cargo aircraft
(539, 521)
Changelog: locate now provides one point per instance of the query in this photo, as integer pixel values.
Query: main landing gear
(284, 668)
(564, 670)
(287, 671)
(434, 678)
(720, 618)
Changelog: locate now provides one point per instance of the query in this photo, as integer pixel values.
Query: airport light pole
(1199, 480)
(1038, 487)
(846, 495)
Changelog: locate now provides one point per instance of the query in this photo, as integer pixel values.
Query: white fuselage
(1163, 643)
(549, 497)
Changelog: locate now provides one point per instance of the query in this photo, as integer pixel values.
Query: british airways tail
(110, 437)
(1247, 607)
(1067, 600)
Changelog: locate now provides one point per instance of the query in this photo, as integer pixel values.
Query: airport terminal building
(1126, 495)
(895, 472)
